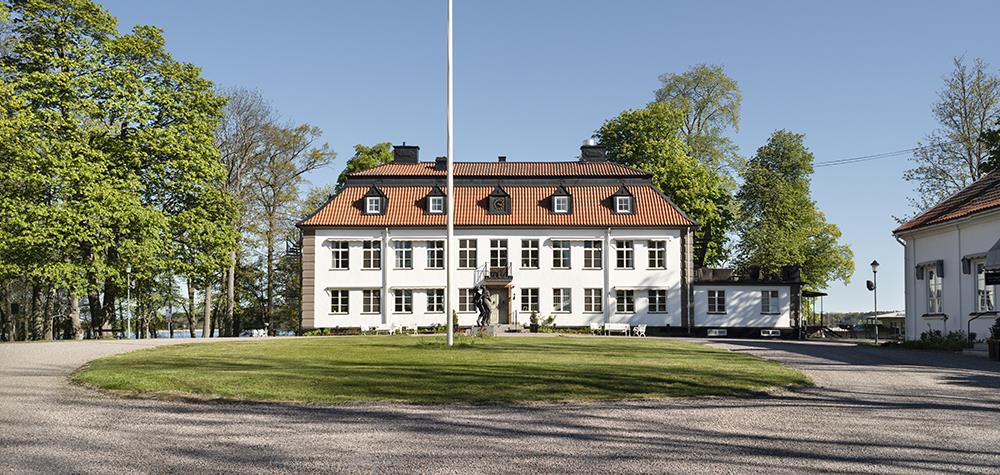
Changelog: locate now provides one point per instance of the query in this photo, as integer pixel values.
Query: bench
(622, 328)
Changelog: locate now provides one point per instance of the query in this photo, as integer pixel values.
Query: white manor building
(952, 255)
(584, 242)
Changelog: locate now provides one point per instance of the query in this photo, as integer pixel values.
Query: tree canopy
(780, 224)
(364, 158)
(651, 139)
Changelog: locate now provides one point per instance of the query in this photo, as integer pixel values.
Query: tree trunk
(34, 322)
(190, 309)
(206, 324)
(47, 317)
(8, 315)
(74, 315)
(111, 314)
(230, 296)
(269, 304)
(96, 312)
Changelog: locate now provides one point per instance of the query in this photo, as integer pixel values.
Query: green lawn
(423, 370)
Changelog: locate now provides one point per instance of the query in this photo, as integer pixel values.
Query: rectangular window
(467, 254)
(372, 301)
(404, 254)
(560, 204)
(985, 298)
(933, 290)
(560, 254)
(529, 254)
(625, 301)
(561, 301)
(658, 301)
(498, 253)
(657, 254)
(623, 204)
(716, 301)
(372, 255)
(341, 254)
(593, 254)
(529, 300)
(625, 258)
(593, 301)
(373, 205)
(465, 303)
(769, 301)
(339, 301)
(403, 301)
(435, 254)
(435, 204)
(435, 301)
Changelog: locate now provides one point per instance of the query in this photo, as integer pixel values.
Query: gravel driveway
(873, 410)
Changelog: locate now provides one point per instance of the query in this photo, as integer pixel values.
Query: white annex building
(952, 255)
(588, 241)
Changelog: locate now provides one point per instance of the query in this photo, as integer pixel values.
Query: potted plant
(534, 321)
(993, 344)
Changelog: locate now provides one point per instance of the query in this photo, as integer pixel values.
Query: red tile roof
(980, 196)
(529, 208)
(507, 169)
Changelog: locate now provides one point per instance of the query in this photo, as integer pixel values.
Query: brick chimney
(405, 153)
(590, 151)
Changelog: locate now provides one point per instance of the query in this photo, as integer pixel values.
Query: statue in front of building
(481, 299)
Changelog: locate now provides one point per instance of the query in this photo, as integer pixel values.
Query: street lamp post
(875, 296)
(128, 298)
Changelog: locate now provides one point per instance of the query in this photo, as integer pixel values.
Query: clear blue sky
(533, 79)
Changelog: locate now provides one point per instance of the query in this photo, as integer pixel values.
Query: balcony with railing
(490, 274)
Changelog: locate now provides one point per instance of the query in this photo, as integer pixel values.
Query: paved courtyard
(873, 410)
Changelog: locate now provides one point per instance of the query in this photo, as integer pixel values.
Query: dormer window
(622, 201)
(374, 201)
(498, 202)
(562, 201)
(435, 201)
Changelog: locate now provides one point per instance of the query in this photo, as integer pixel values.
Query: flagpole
(449, 302)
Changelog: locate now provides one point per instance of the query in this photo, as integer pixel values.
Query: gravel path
(873, 410)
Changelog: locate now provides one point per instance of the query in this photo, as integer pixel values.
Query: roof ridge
(953, 203)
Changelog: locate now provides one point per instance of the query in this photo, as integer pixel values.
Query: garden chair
(596, 328)
(639, 330)
(365, 329)
(388, 329)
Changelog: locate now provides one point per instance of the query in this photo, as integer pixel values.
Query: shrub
(935, 340)
(995, 330)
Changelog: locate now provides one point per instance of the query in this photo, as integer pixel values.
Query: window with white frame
(625, 301)
(498, 253)
(403, 301)
(623, 204)
(404, 254)
(625, 255)
(435, 254)
(560, 254)
(371, 300)
(562, 300)
(560, 204)
(465, 301)
(435, 300)
(716, 301)
(339, 301)
(985, 297)
(371, 255)
(769, 301)
(593, 254)
(373, 205)
(529, 300)
(933, 290)
(341, 254)
(593, 300)
(657, 251)
(467, 250)
(529, 253)
(657, 301)
(435, 204)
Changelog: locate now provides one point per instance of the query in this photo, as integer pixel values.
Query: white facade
(754, 306)
(606, 279)
(952, 299)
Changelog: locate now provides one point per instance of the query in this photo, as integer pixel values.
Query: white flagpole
(449, 272)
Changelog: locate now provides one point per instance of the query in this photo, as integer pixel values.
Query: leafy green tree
(780, 224)
(651, 139)
(956, 155)
(365, 158)
(711, 101)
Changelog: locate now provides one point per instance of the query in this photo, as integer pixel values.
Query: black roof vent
(502, 158)
(405, 153)
(590, 151)
(441, 163)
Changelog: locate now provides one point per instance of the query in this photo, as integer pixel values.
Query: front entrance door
(500, 305)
